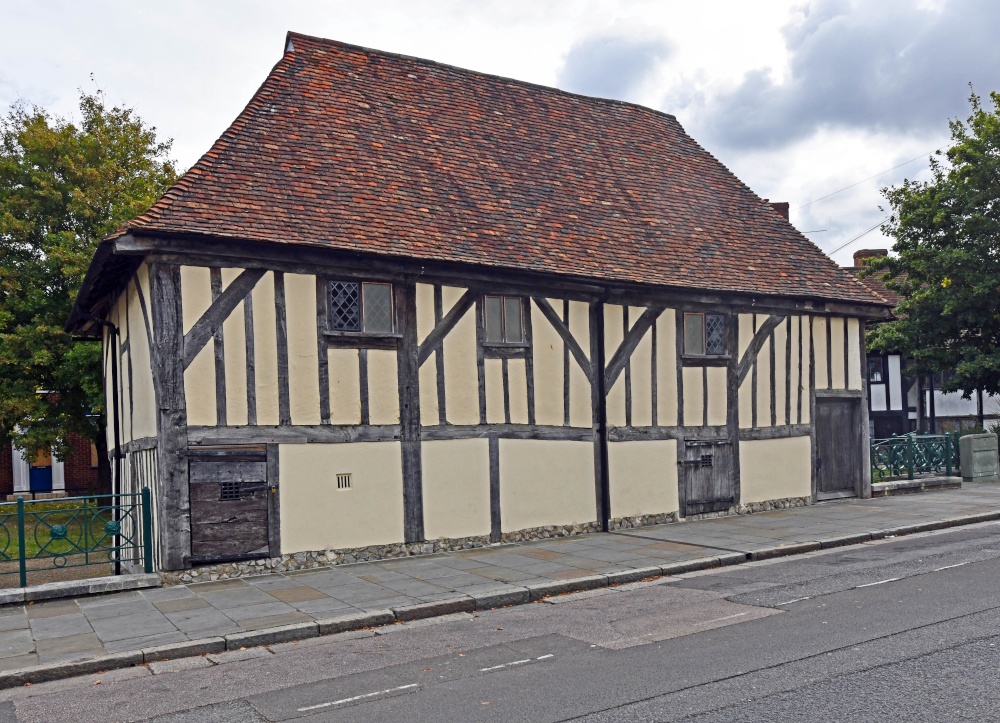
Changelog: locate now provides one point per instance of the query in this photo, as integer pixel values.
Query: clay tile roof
(361, 150)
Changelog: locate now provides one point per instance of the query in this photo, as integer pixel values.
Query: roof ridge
(470, 71)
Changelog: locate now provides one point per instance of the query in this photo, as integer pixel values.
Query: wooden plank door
(838, 447)
(229, 507)
(708, 480)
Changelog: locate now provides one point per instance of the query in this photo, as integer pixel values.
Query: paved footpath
(48, 640)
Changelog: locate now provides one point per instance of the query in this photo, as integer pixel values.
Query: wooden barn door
(708, 480)
(838, 447)
(231, 505)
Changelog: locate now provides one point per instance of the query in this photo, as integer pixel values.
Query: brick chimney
(780, 206)
(868, 254)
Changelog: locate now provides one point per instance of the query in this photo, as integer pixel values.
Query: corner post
(408, 367)
(174, 505)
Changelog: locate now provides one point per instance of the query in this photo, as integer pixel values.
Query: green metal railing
(911, 455)
(78, 531)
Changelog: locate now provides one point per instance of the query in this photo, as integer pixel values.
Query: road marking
(798, 599)
(948, 567)
(512, 664)
(880, 582)
(728, 617)
(356, 697)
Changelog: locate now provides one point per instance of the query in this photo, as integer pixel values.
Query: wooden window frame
(881, 371)
(340, 338)
(726, 320)
(509, 349)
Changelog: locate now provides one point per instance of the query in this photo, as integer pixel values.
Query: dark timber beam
(617, 363)
(441, 330)
(761, 336)
(564, 333)
(218, 312)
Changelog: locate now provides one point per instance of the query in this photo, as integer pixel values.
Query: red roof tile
(355, 149)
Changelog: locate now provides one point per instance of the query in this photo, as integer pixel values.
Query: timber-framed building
(402, 306)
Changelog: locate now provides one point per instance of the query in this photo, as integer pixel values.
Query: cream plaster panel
(315, 515)
(494, 391)
(819, 344)
(125, 391)
(853, 354)
(694, 396)
(580, 414)
(196, 294)
(425, 311)
(449, 297)
(142, 279)
(643, 477)
(199, 387)
(717, 392)
(265, 350)
(460, 370)
(614, 333)
(793, 369)
(838, 372)
(780, 377)
(546, 483)
(383, 387)
(547, 352)
(345, 386)
(773, 469)
(745, 403)
(763, 390)
(666, 369)
(428, 393)
(517, 380)
(456, 484)
(234, 340)
(580, 410)
(746, 332)
(641, 363)
(303, 352)
(143, 391)
(806, 369)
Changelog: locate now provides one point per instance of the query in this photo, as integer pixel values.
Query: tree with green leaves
(64, 186)
(946, 263)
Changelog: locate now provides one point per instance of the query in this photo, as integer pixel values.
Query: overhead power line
(880, 173)
(848, 243)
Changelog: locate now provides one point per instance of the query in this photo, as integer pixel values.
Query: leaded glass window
(503, 320)
(704, 334)
(361, 306)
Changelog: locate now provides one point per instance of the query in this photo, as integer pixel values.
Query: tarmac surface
(209, 618)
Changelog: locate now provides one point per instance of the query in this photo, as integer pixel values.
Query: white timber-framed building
(401, 306)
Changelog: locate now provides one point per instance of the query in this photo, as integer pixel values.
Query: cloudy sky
(800, 99)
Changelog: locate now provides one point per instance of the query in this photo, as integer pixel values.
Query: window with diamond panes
(704, 334)
(503, 321)
(361, 306)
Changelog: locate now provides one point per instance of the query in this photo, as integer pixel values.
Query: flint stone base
(328, 558)
(750, 508)
(631, 523)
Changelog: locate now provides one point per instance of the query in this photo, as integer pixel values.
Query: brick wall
(6, 469)
(81, 478)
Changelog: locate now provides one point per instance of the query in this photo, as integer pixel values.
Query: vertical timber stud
(773, 380)
(496, 533)
(652, 379)
(866, 463)
(565, 318)
(281, 334)
(732, 401)
(220, 354)
(322, 289)
(599, 406)
(529, 357)
(251, 360)
(439, 356)
(628, 371)
(812, 407)
(173, 503)
(408, 366)
(679, 351)
(788, 370)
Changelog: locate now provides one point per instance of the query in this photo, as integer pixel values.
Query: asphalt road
(904, 629)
